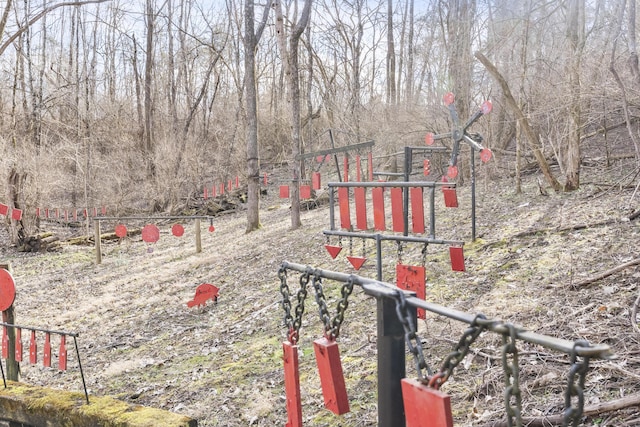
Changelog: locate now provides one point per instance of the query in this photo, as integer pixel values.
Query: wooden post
(198, 237)
(98, 242)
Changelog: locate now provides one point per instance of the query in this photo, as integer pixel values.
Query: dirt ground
(222, 364)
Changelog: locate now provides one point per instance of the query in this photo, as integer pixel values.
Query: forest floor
(222, 364)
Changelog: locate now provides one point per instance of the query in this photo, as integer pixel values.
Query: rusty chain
(461, 350)
(293, 324)
(332, 326)
(572, 415)
(512, 393)
(414, 344)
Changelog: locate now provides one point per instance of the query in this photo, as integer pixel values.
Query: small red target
(428, 139)
(452, 172)
(7, 289)
(211, 229)
(121, 230)
(177, 230)
(486, 107)
(448, 99)
(150, 233)
(485, 155)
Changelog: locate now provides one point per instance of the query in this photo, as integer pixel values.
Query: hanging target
(121, 230)
(177, 230)
(150, 233)
(7, 289)
(211, 229)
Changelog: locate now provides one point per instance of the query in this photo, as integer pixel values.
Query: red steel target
(177, 230)
(121, 230)
(150, 233)
(452, 172)
(485, 155)
(428, 139)
(448, 98)
(7, 289)
(211, 229)
(486, 107)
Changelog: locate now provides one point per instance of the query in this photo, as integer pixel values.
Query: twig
(607, 273)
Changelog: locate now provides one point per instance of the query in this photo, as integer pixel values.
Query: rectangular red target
(417, 209)
(46, 358)
(292, 384)
(397, 209)
(456, 254)
(5, 343)
(316, 182)
(425, 406)
(305, 192)
(18, 349)
(62, 355)
(360, 196)
(284, 191)
(345, 213)
(331, 376)
(412, 278)
(33, 349)
(4, 209)
(358, 169)
(377, 196)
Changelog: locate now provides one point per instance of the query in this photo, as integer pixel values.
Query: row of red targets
(220, 189)
(151, 232)
(33, 348)
(13, 213)
(70, 215)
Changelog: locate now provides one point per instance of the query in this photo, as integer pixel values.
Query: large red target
(150, 233)
(7, 290)
(121, 230)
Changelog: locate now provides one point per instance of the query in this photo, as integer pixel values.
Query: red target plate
(150, 233)
(177, 230)
(452, 172)
(428, 139)
(212, 229)
(7, 290)
(486, 107)
(485, 155)
(448, 98)
(121, 230)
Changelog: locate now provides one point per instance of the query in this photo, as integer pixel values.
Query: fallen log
(589, 411)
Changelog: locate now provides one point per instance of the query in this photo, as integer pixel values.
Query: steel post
(391, 364)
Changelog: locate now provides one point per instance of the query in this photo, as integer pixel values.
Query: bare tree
(290, 60)
(251, 38)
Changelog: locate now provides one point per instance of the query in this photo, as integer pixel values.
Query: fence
(396, 328)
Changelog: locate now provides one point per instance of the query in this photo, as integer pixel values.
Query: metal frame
(391, 340)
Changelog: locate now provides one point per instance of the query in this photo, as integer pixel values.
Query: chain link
(424, 254)
(414, 344)
(460, 352)
(572, 415)
(321, 300)
(286, 298)
(332, 326)
(299, 310)
(399, 252)
(511, 375)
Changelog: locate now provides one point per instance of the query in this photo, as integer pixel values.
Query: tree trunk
(532, 137)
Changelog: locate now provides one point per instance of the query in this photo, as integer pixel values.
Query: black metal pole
(432, 219)
(408, 164)
(379, 257)
(332, 216)
(84, 384)
(391, 364)
(473, 195)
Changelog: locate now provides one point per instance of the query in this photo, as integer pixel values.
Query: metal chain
(413, 342)
(350, 246)
(511, 374)
(572, 415)
(336, 323)
(286, 298)
(294, 330)
(399, 252)
(332, 326)
(424, 254)
(321, 300)
(364, 248)
(460, 352)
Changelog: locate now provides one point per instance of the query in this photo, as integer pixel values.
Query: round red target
(212, 228)
(121, 230)
(177, 230)
(452, 172)
(150, 233)
(7, 290)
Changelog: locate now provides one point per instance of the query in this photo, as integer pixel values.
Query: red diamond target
(121, 230)
(150, 233)
(177, 230)
(7, 289)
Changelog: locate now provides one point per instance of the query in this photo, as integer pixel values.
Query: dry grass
(222, 364)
